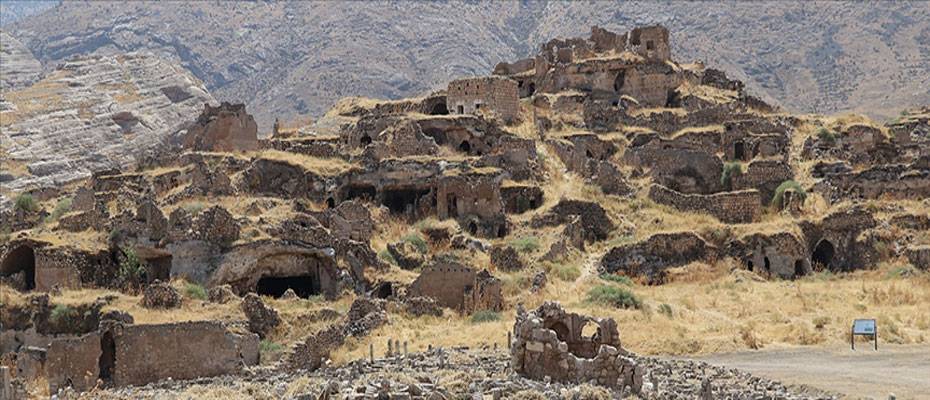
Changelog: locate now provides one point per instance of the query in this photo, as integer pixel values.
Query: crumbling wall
(764, 176)
(74, 362)
(521, 198)
(459, 287)
(781, 255)
(651, 258)
(185, 350)
(224, 128)
(548, 344)
(497, 94)
(738, 207)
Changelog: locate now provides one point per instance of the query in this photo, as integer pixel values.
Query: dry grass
(317, 165)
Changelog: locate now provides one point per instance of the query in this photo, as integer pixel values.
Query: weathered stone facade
(738, 207)
(550, 343)
(493, 93)
(651, 258)
(224, 128)
(458, 287)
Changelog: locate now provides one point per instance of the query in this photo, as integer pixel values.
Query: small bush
(417, 241)
(485, 316)
(779, 197)
(195, 291)
(666, 310)
(821, 322)
(26, 203)
(526, 244)
(827, 136)
(194, 208)
(267, 346)
(621, 279)
(614, 296)
(131, 268)
(386, 256)
(564, 272)
(61, 312)
(63, 206)
(730, 170)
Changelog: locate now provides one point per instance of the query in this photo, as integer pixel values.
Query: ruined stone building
(224, 128)
(493, 93)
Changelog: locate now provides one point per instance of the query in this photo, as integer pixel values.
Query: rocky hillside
(298, 58)
(93, 113)
(19, 67)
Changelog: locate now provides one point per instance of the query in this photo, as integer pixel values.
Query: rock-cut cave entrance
(21, 260)
(823, 253)
(401, 201)
(275, 286)
(107, 361)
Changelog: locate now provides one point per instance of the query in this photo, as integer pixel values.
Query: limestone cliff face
(93, 113)
(18, 68)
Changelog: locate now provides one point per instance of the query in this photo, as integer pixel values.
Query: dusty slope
(18, 68)
(286, 59)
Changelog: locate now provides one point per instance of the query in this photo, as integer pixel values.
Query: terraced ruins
(571, 225)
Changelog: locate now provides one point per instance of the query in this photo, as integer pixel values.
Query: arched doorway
(739, 151)
(107, 360)
(799, 269)
(365, 141)
(561, 331)
(531, 89)
(823, 253)
(330, 202)
(465, 146)
(439, 109)
(21, 260)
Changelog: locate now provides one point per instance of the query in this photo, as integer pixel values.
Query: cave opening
(365, 140)
(619, 81)
(465, 146)
(402, 201)
(275, 286)
(364, 192)
(107, 361)
(21, 260)
(439, 109)
(823, 253)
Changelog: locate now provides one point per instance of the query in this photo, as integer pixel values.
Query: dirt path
(900, 369)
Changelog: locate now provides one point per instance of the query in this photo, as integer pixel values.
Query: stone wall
(458, 287)
(224, 128)
(781, 255)
(549, 344)
(497, 94)
(764, 176)
(521, 198)
(74, 361)
(651, 258)
(185, 350)
(738, 207)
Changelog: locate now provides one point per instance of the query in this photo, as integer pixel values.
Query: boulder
(161, 295)
(262, 319)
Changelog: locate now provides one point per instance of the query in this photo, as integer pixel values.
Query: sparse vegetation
(564, 272)
(826, 136)
(779, 197)
(417, 241)
(131, 269)
(194, 208)
(526, 244)
(483, 316)
(62, 312)
(615, 296)
(62, 207)
(621, 279)
(267, 346)
(386, 256)
(195, 291)
(25, 202)
(731, 170)
(666, 310)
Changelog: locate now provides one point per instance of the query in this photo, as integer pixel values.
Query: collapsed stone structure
(497, 94)
(458, 287)
(224, 128)
(551, 343)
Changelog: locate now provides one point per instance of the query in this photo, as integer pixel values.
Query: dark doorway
(452, 206)
(561, 331)
(619, 80)
(366, 140)
(473, 228)
(21, 260)
(401, 201)
(365, 192)
(671, 99)
(383, 290)
(799, 269)
(439, 109)
(461, 109)
(158, 268)
(304, 285)
(768, 264)
(465, 146)
(107, 357)
(823, 253)
(531, 89)
(749, 265)
(330, 202)
(739, 151)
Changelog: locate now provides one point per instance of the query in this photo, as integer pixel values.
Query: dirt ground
(900, 369)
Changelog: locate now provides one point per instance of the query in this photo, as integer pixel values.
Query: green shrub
(195, 291)
(417, 241)
(386, 256)
(621, 279)
(485, 316)
(564, 272)
(267, 346)
(62, 312)
(827, 136)
(666, 310)
(779, 196)
(614, 296)
(26, 203)
(526, 244)
(63, 206)
(194, 208)
(730, 170)
(131, 268)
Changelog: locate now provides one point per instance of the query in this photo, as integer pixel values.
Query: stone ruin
(458, 287)
(495, 94)
(224, 128)
(553, 344)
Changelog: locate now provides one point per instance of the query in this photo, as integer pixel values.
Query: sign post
(864, 327)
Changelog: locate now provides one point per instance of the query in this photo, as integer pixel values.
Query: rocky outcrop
(262, 318)
(225, 128)
(161, 295)
(651, 258)
(18, 68)
(95, 113)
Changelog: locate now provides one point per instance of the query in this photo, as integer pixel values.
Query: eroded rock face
(505, 258)
(108, 111)
(594, 220)
(262, 318)
(549, 344)
(19, 68)
(225, 128)
(652, 257)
